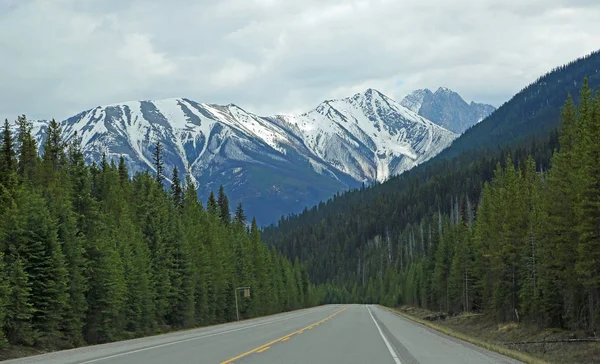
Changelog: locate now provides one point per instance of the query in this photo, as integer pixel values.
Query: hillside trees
(513, 234)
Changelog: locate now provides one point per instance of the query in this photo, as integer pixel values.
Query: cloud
(61, 57)
(138, 51)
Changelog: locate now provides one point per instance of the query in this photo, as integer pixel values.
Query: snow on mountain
(447, 108)
(274, 165)
(369, 136)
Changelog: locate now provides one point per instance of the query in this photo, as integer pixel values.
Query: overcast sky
(60, 57)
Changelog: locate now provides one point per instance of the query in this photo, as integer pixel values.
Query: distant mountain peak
(447, 108)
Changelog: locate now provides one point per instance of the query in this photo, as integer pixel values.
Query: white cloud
(61, 57)
(233, 73)
(138, 51)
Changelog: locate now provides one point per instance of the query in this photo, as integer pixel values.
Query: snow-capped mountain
(447, 108)
(368, 136)
(274, 165)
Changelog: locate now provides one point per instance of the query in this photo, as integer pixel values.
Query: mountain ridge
(447, 108)
(275, 164)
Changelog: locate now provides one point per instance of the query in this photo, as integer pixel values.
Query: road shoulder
(466, 339)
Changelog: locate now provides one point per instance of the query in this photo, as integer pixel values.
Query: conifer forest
(89, 254)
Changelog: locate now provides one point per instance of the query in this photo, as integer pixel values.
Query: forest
(90, 254)
(514, 234)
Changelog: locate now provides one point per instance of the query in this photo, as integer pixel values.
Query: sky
(61, 57)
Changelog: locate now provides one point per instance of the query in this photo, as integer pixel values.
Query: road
(326, 334)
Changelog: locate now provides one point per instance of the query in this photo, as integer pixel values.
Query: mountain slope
(533, 111)
(273, 165)
(368, 136)
(342, 231)
(447, 108)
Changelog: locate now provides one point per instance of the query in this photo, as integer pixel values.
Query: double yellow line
(266, 346)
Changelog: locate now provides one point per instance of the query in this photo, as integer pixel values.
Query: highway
(326, 334)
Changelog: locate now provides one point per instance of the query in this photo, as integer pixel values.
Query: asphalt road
(327, 334)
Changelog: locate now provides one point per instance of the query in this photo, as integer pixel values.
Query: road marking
(264, 349)
(286, 337)
(387, 343)
(195, 338)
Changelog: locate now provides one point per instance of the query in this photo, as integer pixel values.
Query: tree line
(534, 249)
(89, 254)
(521, 244)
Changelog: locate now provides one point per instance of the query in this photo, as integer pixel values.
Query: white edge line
(387, 343)
(192, 338)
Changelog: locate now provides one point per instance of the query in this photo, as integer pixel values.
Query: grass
(485, 332)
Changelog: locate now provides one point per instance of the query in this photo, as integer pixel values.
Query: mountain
(367, 136)
(532, 112)
(274, 165)
(472, 228)
(447, 108)
(346, 229)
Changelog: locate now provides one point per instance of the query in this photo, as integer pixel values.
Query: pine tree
(8, 160)
(240, 217)
(588, 204)
(260, 271)
(4, 295)
(223, 203)
(123, 171)
(193, 221)
(54, 157)
(107, 294)
(152, 211)
(176, 190)
(27, 151)
(158, 163)
(560, 292)
(58, 193)
(19, 309)
(182, 283)
(33, 237)
(211, 205)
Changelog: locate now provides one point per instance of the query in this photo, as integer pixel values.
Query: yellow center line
(266, 346)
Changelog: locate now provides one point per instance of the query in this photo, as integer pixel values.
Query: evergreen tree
(19, 309)
(27, 151)
(107, 294)
(240, 217)
(223, 203)
(8, 160)
(587, 205)
(176, 190)
(34, 238)
(158, 163)
(4, 295)
(211, 205)
(123, 171)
